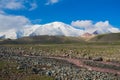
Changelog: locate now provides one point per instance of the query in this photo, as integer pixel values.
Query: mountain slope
(54, 29)
(9, 34)
(111, 37)
(27, 31)
(44, 39)
(57, 28)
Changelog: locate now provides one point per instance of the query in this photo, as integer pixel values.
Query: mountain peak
(56, 22)
(57, 25)
(87, 36)
(96, 32)
(53, 28)
(56, 28)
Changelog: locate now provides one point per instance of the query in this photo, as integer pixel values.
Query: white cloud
(102, 24)
(8, 22)
(102, 27)
(14, 5)
(33, 6)
(17, 4)
(81, 23)
(2, 12)
(50, 2)
(11, 4)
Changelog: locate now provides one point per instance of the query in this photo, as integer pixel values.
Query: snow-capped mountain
(27, 31)
(96, 32)
(54, 28)
(109, 30)
(57, 28)
(9, 34)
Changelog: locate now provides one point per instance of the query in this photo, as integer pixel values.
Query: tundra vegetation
(35, 62)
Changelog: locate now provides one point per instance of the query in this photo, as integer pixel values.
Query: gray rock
(98, 59)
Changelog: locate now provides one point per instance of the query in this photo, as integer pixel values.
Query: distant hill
(46, 39)
(111, 37)
(43, 39)
(87, 36)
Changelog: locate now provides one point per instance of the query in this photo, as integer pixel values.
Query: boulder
(98, 59)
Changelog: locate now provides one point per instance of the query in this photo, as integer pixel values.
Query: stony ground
(16, 66)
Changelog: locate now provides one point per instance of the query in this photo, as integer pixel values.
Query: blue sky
(46, 11)
(69, 10)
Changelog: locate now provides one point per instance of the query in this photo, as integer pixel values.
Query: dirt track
(79, 63)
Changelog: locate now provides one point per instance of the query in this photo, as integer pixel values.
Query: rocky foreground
(59, 69)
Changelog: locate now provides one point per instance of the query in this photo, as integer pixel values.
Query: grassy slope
(112, 37)
(37, 77)
(75, 47)
(107, 51)
(104, 38)
(44, 39)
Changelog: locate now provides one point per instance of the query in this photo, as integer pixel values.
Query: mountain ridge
(61, 39)
(110, 37)
(51, 29)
